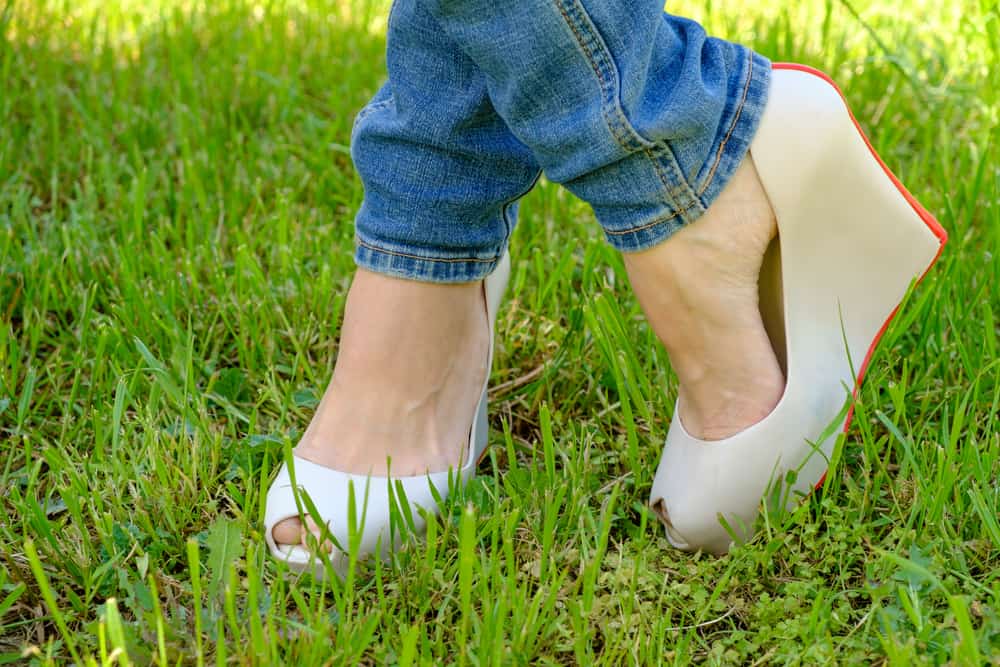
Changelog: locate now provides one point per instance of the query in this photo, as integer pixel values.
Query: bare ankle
(412, 360)
(699, 291)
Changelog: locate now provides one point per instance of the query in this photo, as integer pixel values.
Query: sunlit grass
(175, 244)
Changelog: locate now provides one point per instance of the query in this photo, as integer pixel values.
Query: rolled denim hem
(686, 202)
(410, 264)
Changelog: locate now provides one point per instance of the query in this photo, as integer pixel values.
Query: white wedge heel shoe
(330, 489)
(852, 241)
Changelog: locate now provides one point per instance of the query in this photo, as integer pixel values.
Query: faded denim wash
(637, 112)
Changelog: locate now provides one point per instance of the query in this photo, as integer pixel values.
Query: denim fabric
(637, 112)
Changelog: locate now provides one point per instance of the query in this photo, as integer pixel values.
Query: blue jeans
(637, 112)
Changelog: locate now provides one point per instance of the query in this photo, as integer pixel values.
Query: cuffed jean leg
(442, 173)
(637, 112)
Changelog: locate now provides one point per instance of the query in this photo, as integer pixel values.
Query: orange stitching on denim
(658, 221)
(580, 42)
(665, 182)
(614, 116)
(428, 259)
(594, 50)
(732, 127)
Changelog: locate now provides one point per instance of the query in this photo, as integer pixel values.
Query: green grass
(176, 201)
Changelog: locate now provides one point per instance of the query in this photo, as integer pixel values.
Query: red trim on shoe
(928, 219)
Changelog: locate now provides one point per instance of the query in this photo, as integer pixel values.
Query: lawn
(176, 198)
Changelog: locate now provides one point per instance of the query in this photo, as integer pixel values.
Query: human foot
(408, 377)
(699, 292)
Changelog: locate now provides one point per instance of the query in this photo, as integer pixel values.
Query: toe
(288, 531)
(308, 528)
(293, 532)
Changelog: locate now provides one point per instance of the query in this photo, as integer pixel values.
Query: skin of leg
(406, 383)
(699, 292)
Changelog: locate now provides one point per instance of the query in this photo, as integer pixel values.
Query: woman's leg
(649, 120)
(638, 113)
(442, 175)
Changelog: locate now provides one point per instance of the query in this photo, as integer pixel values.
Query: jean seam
(656, 159)
(654, 223)
(443, 260)
(592, 45)
(732, 126)
(508, 224)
